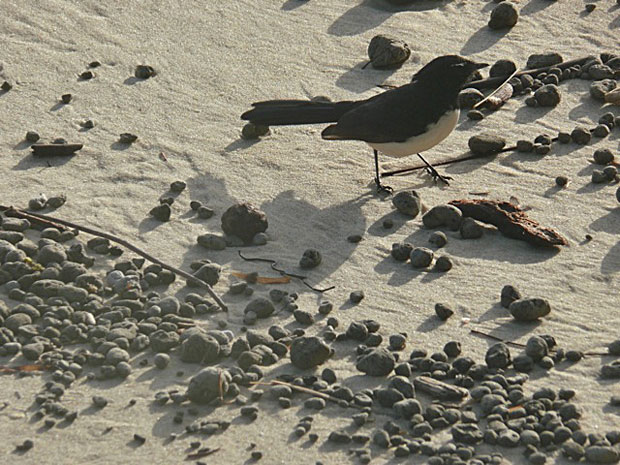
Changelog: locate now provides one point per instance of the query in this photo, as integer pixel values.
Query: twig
(441, 163)
(285, 273)
(124, 243)
(481, 102)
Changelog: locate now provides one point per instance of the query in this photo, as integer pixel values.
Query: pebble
(356, 296)
(178, 186)
(548, 95)
(144, 71)
(529, 309)
(438, 239)
(6, 86)
(308, 352)
(408, 203)
(387, 52)
(471, 229)
(599, 89)
(421, 257)
(475, 115)
(244, 220)
(99, 401)
(32, 136)
(66, 98)
(590, 7)
(37, 203)
(86, 75)
(502, 68)
(443, 311)
(443, 264)
(610, 172)
(161, 212)
(253, 131)
(25, 446)
(525, 146)
(354, 238)
(261, 307)
(377, 362)
(601, 454)
(486, 144)
(561, 181)
(311, 258)
(127, 138)
(598, 177)
(208, 384)
(443, 215)
(211, 241)
(543, 60)
(469, 97)
(601, 131)
(503, 16)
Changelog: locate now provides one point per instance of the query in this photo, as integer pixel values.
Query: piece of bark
(54, 150)
(439, 389)
(510, 220)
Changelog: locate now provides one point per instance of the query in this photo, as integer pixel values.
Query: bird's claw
(438, 177)
(383, 188)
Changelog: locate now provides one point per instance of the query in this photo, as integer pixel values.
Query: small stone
(86, 75)
(387, 52)
(509, 295)
(529, 309)
(6, 86)
(503, 16)
(443, 264)
(127, 138)
(408, 203)
(311, 258)
(548, 95)
(32, 136)
(438, 239)
(475, 115)
(471, 229)
(443, 215)
(308, 352)
(561, 181)
(590, 7)
(421, 257)
(208, 384)
(253, 131)
(598, 177)
(469, 97)
(56, 201)
(99, 401)
(536, 348)
(377, 362)
(486, 144)
(356, 296)
(498, 356)
(603, 156)
(28, 443)
(610, 172)
(599, 89)
(525, 146)
(502, 68)
(261, 307)
(601, 454)
(401, 251)
(601, 131)
(144, 72)
(543, 60)
(66, 98)
(161, 360)
(244, 221)
(354, 238)
(161, 212)
(178, 186)
(443, 311)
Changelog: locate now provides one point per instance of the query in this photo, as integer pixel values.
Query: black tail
(288, 112)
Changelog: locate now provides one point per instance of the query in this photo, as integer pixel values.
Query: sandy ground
(214, 58)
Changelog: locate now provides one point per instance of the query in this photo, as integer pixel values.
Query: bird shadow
(481, 40)
(534, 6)
(30, 161)
(240, 144)
(292, 5)
(359, 79)
(370, 14)
(57, 106)
(22, 145)
(118, 145)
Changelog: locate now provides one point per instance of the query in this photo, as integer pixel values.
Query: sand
(215, 58)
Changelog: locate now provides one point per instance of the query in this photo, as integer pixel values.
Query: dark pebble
(503, 16)
(66, 98)
(561, 181)
(127, 138)
(443, 311)
(356, 296)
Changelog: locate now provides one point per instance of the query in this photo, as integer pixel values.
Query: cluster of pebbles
(57, 302)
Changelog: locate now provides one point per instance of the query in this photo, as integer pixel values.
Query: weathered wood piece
(439, 389)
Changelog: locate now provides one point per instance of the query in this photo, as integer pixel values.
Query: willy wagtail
(399, 122)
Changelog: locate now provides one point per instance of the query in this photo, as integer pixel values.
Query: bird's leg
(433, 172)
(380, 187)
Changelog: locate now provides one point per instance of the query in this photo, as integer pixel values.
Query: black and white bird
(403, 121)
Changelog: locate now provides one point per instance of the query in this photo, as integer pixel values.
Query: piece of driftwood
(12, 211)
(54, 150)
(439, 389)
(510, 220)
(613, 97)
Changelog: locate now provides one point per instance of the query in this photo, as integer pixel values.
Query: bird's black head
(453, 68)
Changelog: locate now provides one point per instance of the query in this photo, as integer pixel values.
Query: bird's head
(452, 67)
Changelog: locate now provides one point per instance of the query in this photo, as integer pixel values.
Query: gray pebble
(471, 229)
(502, 68)
(610, 172)
(525, 146)
(443, 215)
(208, 384)
(443, 264)
(99, 401)
(503, 16)
(529, 309)
(244, 220)
(308, 352)
(212, 241)
(161, 360)
(601, 131)
(377, 362)
(261, 307)
(543, 60)
(253, 131)
(509, 295)
(127, 138)
(603, 156)
(598, 177)
(421, 257)
(387, 52)
(601, 454)
(561, 181)
(598, 89)
(443, 311)
(311, 258)
(32, 136)
(356, 296)
(469, 97)
(498, 356)
(548, 95)
(407, 203)
(438, 239)
(475, 115)
(161, 212)
(486, 144)
(144, 71)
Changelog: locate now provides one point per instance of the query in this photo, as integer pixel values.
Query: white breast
(433, 135)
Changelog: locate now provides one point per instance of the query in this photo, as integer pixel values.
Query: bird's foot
(438, 177)
(381, 188)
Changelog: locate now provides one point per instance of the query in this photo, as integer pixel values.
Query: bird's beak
(480, 65)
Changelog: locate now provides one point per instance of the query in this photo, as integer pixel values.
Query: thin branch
(12, 211)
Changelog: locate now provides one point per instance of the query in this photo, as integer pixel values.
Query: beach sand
(213, 60)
